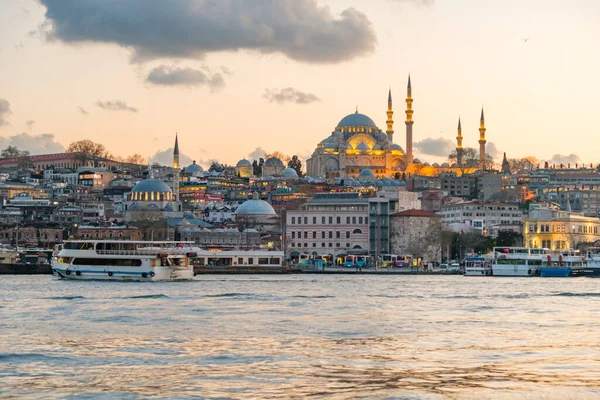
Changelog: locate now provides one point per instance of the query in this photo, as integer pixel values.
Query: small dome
(243, 163)
(349, 146)
(188, 215)
(416, 161)
(366, 174)
(255, 207)
(274, 162)
(338, 134)
(194, 169)
(445, 165)
(436, 165)
(331, 146)
(290, 173)
(168, 207)
(454, 165)
(426, 164)
(151, 185)
(363, 146)
(377, 147)
(382, 136)
(396, 147)
(356, 119)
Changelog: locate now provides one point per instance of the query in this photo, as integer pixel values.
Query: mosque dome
(330, 146)
(168, 207)
(436, 165)
(349, 147)
(151, 185)
(377, 147)
(366, 174)
(356, 119)
(382, 136)
(396, 147)
(243, 163)
(255, 207)
(363, 146)
(454, 165)
(274, 162)
(417, 161)
(194, 169)
(426, 164)
(445, 165)
(290, 173)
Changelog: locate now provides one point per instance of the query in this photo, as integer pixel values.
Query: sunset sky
(238, 77)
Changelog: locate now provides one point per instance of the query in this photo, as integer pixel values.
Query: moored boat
(518, 261)
(592, 262)
(124, 260)
(563, 264)
(478, 266)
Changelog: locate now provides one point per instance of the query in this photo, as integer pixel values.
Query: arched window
(356, 231)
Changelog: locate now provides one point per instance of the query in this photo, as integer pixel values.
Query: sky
(237, 78)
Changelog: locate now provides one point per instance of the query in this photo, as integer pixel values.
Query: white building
(486, 218)
(329, 224)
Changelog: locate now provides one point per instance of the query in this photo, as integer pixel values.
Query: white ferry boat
(237, 260)
(478, 266)
(124, 260)
(518, 261)
(592, 262)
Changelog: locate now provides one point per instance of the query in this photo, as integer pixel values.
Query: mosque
(357, 148)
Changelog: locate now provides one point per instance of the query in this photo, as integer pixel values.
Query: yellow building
(559, 230)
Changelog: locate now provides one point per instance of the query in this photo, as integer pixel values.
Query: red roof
(415, 213)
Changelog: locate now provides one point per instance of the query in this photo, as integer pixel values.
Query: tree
(136, 159)
(88, 147)
(509, 238)
(278, 154)
(13, 151)
(526, 163)
(469, 159)
(215, 166)
(295, 164)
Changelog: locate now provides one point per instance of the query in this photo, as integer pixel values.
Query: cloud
(492, 150)
(257, 153)
(165, 157)
(417, 2)
(289, 95)
(36, 144)
(4, 112)
(83, 111)
(157, 29)
(116, 105)
(30, 124)
(435, 147)
(564, 159)
(175, 76)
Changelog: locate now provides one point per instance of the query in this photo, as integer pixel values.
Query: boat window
(534, 262)
(64, 260)
(250, 260)
(274, 261)
(79, 246)
(263, 261)
(108, 262)
(240, 260)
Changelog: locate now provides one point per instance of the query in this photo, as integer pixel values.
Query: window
(357, 231)
(337, 245)
(116, 262)
(331, 220)
(348, 220)
(322, 244)
(323, 235)
(263, 261)
(240, 260)
(330, 244)
(323, 220)
(354, 220)
(305, 220)
(305, 235)
(338, 220)
(337, 235)
(314, 235)
(250, 260)
(314, 220)
(330, 235)
(347, 234)
(293, 220)
(293, 235)
(360, 220)
(347, 245)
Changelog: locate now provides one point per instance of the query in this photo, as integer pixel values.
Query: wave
(30, 357)
(64, 298)
(149, 296)
(228, 295)
(570, 294)
(313, 297)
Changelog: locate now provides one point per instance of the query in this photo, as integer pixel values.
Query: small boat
(518, 261)
(124, 260)
(592, 260)
(563, 264)
(478, 266)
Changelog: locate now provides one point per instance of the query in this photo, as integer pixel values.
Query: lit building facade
(486, 218)
(559, 230)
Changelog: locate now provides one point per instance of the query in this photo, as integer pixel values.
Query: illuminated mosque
(357, 148)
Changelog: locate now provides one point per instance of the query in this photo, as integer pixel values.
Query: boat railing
(142, 252)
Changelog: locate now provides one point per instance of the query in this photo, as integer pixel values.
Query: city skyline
(281, 80)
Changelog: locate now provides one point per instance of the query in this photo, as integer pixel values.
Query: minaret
(482, 141)
(505, 165)
(390, 121)
(459, 148)
(176, 169)
(409, 124)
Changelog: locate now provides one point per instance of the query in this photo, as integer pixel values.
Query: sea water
(301, 336)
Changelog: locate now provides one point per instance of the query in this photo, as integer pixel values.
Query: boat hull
(556, 272)
(514, 270)
(478, 272)
(592, 271)
(124, 274)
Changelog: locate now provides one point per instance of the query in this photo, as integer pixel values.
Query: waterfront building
(417, 233)
(464, 186)
(557, 229)
(120, 232)
(585, 200)
(486, 218)
(331, 224)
